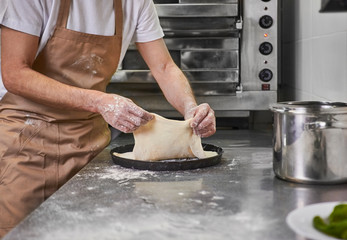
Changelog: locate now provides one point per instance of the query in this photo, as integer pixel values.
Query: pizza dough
(163, 138)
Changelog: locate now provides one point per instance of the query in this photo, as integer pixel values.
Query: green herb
(336, 225)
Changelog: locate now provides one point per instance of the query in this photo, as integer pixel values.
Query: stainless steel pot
(310, 141)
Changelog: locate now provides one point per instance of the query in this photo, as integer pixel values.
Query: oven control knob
(266, 75)
(266, 0)
(265, 48)
(266, 21)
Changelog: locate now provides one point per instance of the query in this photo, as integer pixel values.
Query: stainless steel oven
(228, 49)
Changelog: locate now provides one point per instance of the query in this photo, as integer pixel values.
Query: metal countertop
(237, 199)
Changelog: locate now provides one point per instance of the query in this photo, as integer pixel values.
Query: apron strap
(119, 17)
(64, 11)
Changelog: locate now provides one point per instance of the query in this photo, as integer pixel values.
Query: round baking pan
(167, 165)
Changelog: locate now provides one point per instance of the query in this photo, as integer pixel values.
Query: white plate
(300, 220)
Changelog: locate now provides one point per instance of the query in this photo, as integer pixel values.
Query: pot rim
(303, 107)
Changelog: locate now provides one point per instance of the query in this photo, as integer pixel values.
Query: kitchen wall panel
(327, 23)
(329, 63)
(314, 52)
(303, 25)
(296, 25)
(303, 61)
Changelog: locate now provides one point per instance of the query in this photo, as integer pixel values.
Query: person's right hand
(122, 113)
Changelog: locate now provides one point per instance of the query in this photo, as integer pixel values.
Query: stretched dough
(162, 138)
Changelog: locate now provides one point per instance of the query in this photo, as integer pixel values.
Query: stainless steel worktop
(237, 199)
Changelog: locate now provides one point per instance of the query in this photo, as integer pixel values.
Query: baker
(57, 58)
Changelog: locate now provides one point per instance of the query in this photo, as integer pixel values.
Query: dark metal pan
(167, 165)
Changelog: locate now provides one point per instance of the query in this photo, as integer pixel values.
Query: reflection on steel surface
(209, 59)
(218, 76)
(196, 10)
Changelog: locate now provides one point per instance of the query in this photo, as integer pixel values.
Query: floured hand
(203, 120)
(122, 113)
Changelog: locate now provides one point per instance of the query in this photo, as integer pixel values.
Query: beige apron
(42, 147)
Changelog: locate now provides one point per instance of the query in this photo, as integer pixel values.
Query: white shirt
(3, 6)
(38, 17)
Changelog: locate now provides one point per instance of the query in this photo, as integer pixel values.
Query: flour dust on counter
(118, 173)
(157, 225)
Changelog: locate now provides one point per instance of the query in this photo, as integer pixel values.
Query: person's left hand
(203, 120)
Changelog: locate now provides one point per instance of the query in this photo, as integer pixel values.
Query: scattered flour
(204, 192)
(196, 201)
(213, 204)
(234, 162)
(32, 122)
(124, 174)
(29, 121)
(217, 198)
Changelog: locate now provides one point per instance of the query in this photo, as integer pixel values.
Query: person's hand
(203, 120)
(122, 113)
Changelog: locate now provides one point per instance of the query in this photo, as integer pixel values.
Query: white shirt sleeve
(3, 7)
(148, 27)
(27, 18)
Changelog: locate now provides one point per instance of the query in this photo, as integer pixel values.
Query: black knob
(266, 21)
(265, 48)
(266, 75)
(266, 0)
